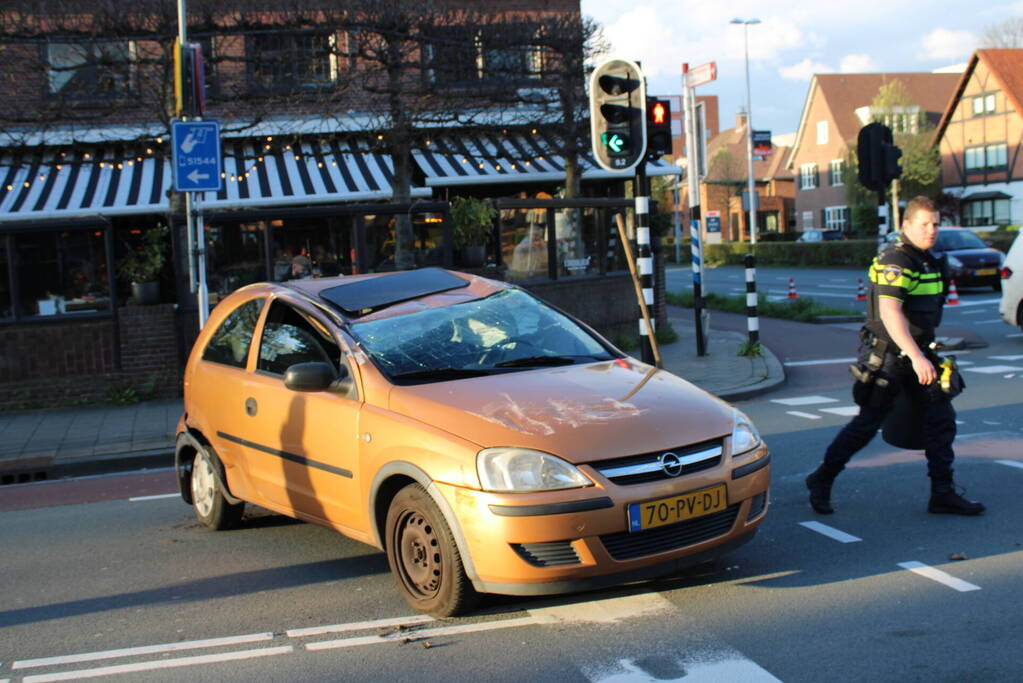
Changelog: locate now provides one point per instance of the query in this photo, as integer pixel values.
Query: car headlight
(953, 262)
(745, 436)
(522, 469)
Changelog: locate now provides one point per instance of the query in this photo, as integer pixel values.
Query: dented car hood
(579, 412)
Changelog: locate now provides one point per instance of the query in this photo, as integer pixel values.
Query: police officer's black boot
(819, 483)
(945, 500)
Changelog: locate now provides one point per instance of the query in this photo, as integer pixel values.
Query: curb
(35, 468)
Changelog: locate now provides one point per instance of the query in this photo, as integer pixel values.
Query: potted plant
(472, 224)
(142, 264)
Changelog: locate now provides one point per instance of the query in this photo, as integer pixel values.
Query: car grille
(550, 554)
(646, 467)
(628, 546)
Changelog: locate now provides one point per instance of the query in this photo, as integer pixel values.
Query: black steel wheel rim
(420, 561)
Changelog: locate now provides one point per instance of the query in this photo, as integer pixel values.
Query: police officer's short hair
(919, 203)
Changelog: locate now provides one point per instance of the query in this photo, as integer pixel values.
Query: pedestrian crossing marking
(1010, 463)
(808, 416)
(831, 532)
(941, 577)
(846, 411)
(1008, 358)
(803, 400)
(994, 369)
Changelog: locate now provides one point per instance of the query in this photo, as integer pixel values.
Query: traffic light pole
(692, 165)
(645, 264)
(895, 205)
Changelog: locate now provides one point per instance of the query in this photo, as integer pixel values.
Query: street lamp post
(749, 133)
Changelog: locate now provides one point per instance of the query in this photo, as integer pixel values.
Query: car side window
(290, 336)
(229, 345)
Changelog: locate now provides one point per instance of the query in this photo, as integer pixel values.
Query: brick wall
(61, 363)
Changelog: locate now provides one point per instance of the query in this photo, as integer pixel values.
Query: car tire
(423, 557)
(1019, 316)
(211, 507)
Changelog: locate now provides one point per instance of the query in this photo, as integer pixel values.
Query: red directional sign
(705, 73)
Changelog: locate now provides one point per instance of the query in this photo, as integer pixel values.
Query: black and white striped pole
(644, 263)
(752, 321)
(693, 172)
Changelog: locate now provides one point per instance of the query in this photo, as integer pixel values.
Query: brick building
(979, 137)
(836, 107)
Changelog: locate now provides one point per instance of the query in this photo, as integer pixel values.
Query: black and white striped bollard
(752, 321)
(645, 265)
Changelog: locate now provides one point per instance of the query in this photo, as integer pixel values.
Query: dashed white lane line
(803, 400)
(845, 411)
(1010, 463)
(799, 413)
(421, 633)
(1008, 358)
(825, 361)
(357, 626)
(143, 650)
(941, 577)
(996, 321)
(138, 499)
(831, 532)
(993, 369)
(160, 664)
(973, 312)
(1014, 336)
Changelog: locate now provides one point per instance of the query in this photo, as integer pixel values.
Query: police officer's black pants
(939, 433)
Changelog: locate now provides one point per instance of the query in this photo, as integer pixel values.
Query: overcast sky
(795, 40)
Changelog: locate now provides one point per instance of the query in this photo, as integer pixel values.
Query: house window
(96, 70)
(988, 157)
(458, 56)
(984, 212)
(836, 218)
(984, 104)
(807, 220)
(808, 176)
(836, 172)
(292, 61)
(62, 273)
(822, 132)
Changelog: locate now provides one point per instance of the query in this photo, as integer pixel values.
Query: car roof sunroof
(379, 292)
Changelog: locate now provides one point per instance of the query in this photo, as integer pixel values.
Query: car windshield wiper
(541, 361)
(441, 374)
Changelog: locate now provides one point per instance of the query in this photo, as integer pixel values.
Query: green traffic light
(617, 143)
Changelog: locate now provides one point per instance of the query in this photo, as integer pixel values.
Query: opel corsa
(484, 440)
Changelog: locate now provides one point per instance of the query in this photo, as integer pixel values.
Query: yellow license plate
(986, 271)
(654, 513)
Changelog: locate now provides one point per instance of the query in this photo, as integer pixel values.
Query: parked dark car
(971, 262)
(815, 235)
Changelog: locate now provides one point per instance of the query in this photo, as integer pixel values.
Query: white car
(1011, 306)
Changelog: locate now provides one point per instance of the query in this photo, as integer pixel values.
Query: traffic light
(189, 80)
(658, 127)
(618, 114)
(878, 157)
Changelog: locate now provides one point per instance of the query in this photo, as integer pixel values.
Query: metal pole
(895, 205)
(749, 146)
(752, 320)
(644, 260)
(200, 252)
(692, 163)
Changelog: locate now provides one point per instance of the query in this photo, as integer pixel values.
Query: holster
(950, 382)
(873, 388)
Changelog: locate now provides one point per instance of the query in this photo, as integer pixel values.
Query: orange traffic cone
(792, 288)
(953, 295)
(861, 292)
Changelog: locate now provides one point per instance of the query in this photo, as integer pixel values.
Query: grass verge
(801, 310)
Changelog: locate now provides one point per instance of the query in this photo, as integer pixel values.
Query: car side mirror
(315, 376)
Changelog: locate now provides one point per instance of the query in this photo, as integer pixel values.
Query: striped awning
(473, 159)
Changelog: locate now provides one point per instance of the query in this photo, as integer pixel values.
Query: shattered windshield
(506, 331)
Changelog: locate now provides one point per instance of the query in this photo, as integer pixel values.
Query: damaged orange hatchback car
(486, 441)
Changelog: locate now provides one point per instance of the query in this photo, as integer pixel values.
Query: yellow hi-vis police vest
(914, 277)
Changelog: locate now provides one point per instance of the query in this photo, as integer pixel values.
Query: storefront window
(578, 243)
(427, 245)
(6, 306)
(234, 256)
(524, 243)
(61, 273)
(304, 247)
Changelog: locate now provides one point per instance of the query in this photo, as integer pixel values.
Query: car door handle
(251, 407)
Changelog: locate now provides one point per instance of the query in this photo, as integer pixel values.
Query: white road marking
(825, 361)
(846, 411)
(978, 303)
(973, 312)
(420, 634)
(996, 321)
(1011, 463)
(851, 288)
(138, 499)
(695, 672)
(160, 664)
(1014, 336)
(939, 576)
(1008, 358)
(606, 611)
(965, 362)
(831, 532)
(803, 400)
(358, 626)
(993, 369)
(143, 650)
(808, 416)
(991, 422)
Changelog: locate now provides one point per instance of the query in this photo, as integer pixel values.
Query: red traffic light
(659, 114)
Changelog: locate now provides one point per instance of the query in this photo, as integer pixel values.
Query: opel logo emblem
(671, 464)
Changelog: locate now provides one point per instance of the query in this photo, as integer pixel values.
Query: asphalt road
(111, 577)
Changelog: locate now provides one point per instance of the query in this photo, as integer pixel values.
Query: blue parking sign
(195, 156)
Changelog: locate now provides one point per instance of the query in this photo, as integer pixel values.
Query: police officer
(906, 296)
